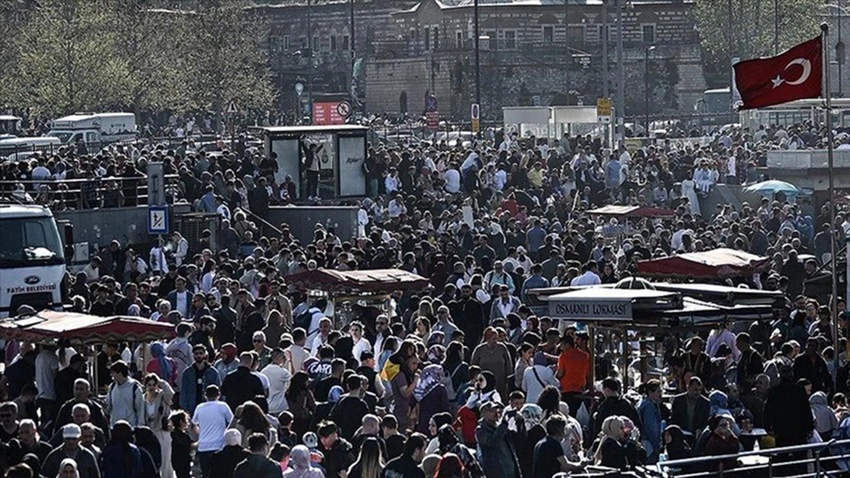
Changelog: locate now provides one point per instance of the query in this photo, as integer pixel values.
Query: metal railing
(815, 462)
(87, 193)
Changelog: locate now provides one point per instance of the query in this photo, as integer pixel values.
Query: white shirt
(588, 278)
(299, 355)
(182, 303)
(317, 342)
(500, 179)
(361, 346)
(212, 419)
(46, 366)
(157, 260)
(452, 178)
(278, 377)
(263, 380)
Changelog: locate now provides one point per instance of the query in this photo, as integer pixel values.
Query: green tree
(225, 57)
(144, 47)
(65, 60)
(748, 32)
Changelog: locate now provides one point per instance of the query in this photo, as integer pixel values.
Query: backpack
(303, 320)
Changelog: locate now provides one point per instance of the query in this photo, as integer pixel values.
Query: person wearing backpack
(309, 320)
(124, 399)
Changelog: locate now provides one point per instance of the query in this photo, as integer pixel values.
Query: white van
(28, 144)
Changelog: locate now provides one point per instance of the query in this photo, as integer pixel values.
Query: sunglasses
(258, 341)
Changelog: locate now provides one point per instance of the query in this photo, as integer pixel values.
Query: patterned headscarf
(436, 354)
(532, 414)
(431, 377)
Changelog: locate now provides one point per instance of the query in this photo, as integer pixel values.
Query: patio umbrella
(772, 187)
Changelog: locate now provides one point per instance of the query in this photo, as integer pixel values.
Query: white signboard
(591, 310)
(352, 155)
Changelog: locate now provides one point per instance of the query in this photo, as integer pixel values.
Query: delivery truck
(94, 128)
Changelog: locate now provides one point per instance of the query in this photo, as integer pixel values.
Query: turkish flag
(792, 75)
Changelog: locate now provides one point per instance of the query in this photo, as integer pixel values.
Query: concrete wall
(302, 220)
(98, 227)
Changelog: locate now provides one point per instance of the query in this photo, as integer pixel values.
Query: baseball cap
(71, 430)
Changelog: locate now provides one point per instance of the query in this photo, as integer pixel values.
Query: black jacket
(788, 414)
(680, 413)
(240, 386)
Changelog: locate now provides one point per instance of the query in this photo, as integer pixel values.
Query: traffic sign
(157, 220)
(475, 111)
(299, 88)
(476, 125)
(432, 119)
(603, 106)
(431, 104)
(232, 109)
(344, 109)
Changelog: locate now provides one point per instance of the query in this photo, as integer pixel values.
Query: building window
(575, 35)
(316, 43)
(840, 53)
(333, 42)
(436, 38)
(459, 39)
(510, 39)
(612, 33)
(649, 34)
(427, 37)
(548, 34)
(344, 42)
(493, 40)
(286, 43)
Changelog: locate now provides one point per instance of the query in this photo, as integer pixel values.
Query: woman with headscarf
(722, 441)
(430, 395)
(161, 365)
(825, 421)
(494, 356)
(439, 276)
(450, 444)
(610, 451)
(157, 398)
(456, 372)
(300, 465)
(534, 432)
(484, 390)
(227, 362)
(68, 469)
(675, 445)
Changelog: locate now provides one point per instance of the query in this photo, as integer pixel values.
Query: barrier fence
(113, 191)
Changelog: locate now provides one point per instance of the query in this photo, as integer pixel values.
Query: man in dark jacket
(258, 464)
(196, 378)
(469, 314)
(348, 413)
(787, 413)
(613, 404)
(498, 457)
(812, 366)
(338, 452)
(224, 461)
(691, 409)
(241, 385)
(407, 464)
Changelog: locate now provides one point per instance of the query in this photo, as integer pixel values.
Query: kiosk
(342, 152)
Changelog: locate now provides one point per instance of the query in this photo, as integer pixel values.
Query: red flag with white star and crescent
(794, 74)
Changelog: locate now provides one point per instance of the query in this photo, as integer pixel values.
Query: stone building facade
(409, 49)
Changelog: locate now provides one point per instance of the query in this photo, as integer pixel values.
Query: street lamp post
(646, 85)
(310, 57)
(477, 58)
(621, 87)
(353, 54)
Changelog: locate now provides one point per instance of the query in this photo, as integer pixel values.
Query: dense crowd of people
(464, 379)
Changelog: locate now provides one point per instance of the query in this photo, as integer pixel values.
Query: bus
(795, 112)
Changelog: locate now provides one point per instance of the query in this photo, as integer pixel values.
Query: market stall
(717, 264)
(50, 326)
(84, 331)
(356, 294)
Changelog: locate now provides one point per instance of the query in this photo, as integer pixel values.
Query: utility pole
(567, 44)
(605, 83)
(310, 57)
(353, 56)
(646, 85)
(775, 27)
(621, 87)
(477, 58)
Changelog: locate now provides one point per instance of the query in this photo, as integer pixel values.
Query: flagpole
(830, 166)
